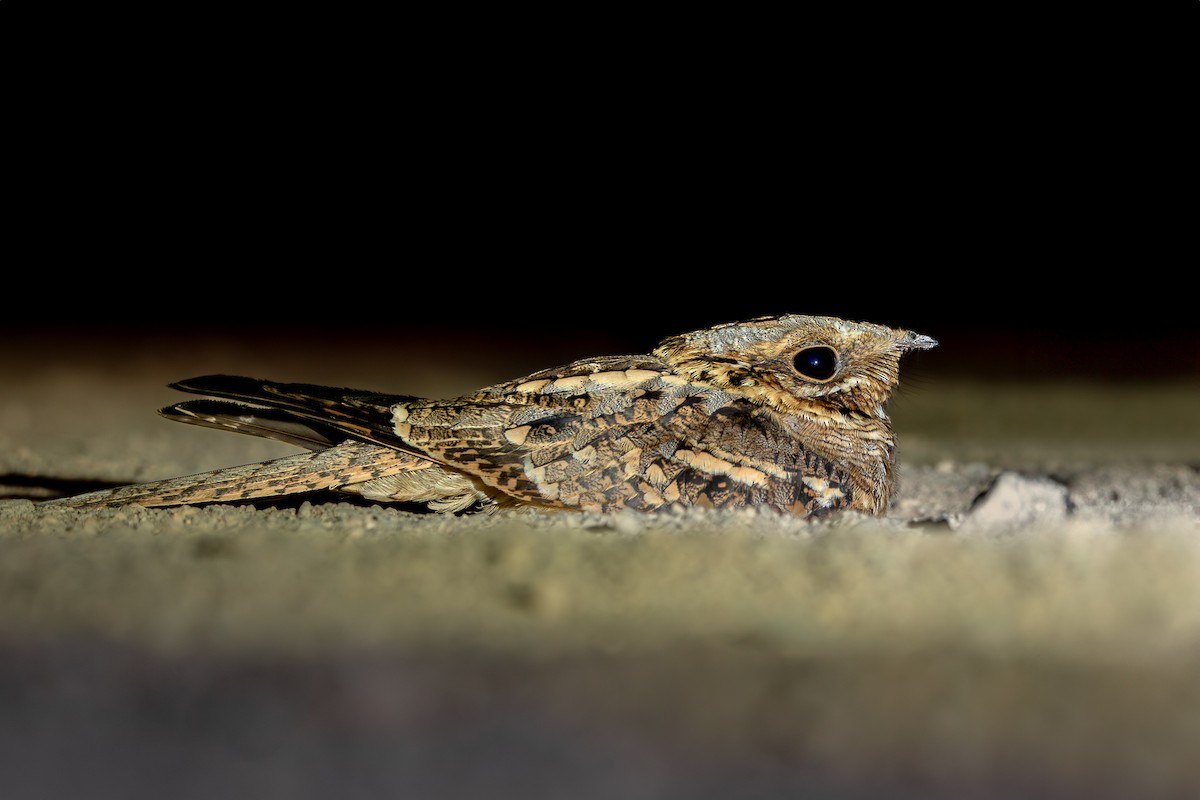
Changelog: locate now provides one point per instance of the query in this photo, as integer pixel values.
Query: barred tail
(333, 468)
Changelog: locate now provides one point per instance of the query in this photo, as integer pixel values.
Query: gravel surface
(1025, 621)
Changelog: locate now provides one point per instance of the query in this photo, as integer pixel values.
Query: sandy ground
(1024, 622)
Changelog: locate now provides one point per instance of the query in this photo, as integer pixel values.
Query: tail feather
(332, 468)
(352, 446)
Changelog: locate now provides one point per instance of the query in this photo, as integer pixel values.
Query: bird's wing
(306, 414)
(624, 432)
(269, 423)
(644, 450)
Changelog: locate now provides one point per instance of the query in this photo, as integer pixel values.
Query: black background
(1021, 189)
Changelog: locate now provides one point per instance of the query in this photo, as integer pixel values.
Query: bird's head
(791, 362)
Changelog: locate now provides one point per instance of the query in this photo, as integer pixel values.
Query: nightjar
(787, 412)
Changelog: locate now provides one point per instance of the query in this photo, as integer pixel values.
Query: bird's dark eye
(818, 363)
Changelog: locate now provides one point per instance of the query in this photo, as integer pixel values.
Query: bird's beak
(917, 341)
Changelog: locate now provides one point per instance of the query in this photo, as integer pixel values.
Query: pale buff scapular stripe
(709, 463)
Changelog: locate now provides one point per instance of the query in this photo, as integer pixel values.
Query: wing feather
(268, 423)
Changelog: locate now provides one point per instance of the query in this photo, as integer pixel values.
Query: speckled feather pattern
(787, 412)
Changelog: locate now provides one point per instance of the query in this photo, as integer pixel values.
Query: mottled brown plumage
(787, 412)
